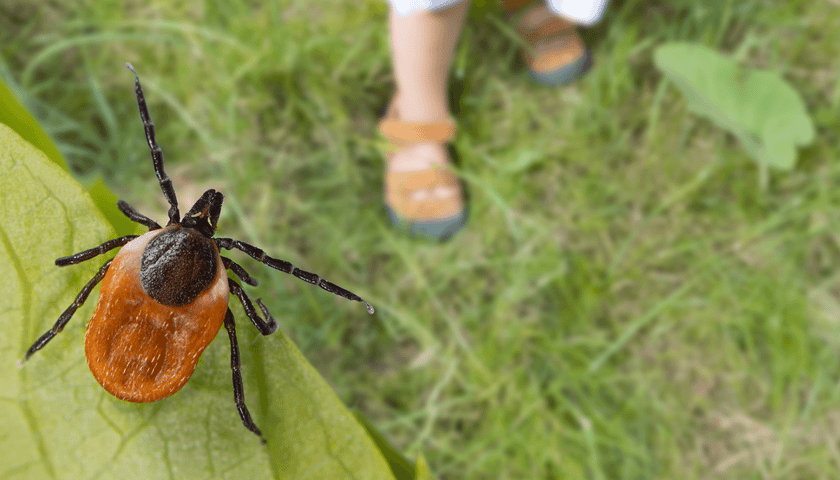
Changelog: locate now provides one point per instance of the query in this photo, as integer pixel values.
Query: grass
(630, 300)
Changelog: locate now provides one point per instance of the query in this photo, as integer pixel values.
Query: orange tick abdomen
(138, 349)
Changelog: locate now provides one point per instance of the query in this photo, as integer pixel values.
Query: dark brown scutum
(178, 265)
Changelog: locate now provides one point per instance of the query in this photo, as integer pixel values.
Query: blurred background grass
(629, 300)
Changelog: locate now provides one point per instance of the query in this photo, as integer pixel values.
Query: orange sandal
(438, 218)
(560, 57)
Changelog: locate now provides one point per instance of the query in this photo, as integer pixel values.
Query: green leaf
(57, 422)
(311, 433)
(759, 107)
(45, 215)
(15, 116)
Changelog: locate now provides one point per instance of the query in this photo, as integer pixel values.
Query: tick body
(164, 296)
(151, 351)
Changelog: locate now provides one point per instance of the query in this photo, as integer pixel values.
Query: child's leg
(423, 44)
(417, 190)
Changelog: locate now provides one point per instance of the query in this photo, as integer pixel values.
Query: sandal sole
(564, 75)
(438, 229)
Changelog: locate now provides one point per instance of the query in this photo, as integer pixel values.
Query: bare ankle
(413, 108)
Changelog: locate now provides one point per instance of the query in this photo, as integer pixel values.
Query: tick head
(204, 215)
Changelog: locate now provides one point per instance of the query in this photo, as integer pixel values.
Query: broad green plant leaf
(57, 422)
(15, 116)
(759, 107)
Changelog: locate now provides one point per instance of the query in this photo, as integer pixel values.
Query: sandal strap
(399, 187)
(406, 133)
(427, 210)
(404, 183)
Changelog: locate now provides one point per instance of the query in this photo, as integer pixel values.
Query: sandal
(407, 207)
(559, 55)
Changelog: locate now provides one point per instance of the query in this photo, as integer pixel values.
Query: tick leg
(265, 327)
(236, 366)
(95, 251)
(157, 152)
(65, 317)
(136, 216)
(239, 271)
(287, 267)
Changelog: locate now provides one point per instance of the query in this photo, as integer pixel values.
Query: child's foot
(421, 193)
(560, 56)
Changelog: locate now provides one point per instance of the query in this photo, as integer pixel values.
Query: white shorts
(582, 12)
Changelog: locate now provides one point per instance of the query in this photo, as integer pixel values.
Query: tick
(164, 296)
